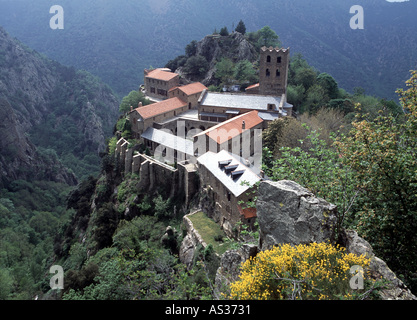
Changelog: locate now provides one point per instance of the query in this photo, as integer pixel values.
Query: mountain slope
(56, 108)
(117, 41)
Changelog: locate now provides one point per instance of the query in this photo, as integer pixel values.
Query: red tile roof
(231, 128)
(191, 88)
(162, 107)
(160, 74)
(252, 86)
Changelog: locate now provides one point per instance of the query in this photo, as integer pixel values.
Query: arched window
(268, 73)
(268, 59)
(277, 74)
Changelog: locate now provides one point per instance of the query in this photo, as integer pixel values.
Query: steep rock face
(18, 156)
(40, 96)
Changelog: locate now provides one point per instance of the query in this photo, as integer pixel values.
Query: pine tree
(241, 27)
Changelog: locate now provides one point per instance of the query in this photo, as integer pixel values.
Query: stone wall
(153, 174)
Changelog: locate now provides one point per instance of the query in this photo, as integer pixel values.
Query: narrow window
(278, 73)
(268, 59)
(279, 60)
(268, 73)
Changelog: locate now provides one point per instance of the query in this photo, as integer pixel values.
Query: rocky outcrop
(396, 289)
(289, 213)
(234, 47)
(229, 269)
(19, 158)
(190, 243)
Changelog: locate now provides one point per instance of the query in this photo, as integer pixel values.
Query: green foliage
(130, 234)
(244, 72)
(268, 38)
(241, 27)
(112, 145)
(225, 70)
(329, 84)
(321, 171)
(132, 100)
(162, 207)
(196, 66)
(369, 173)
(30, 215)
(191, 49)
(382, 154)
(224, 32)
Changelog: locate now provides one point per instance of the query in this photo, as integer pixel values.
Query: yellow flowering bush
(313, 271)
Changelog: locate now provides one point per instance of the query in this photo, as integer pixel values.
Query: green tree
(162, 207)
(225, 70)
(383, 152)
(316, 98)
(191, 49)
(329, 84)
(241, 27)
(196, 66)
(132, 100)
(6, 284)
(305, 76)
(224, 32)
(244, 72)
(268, 38)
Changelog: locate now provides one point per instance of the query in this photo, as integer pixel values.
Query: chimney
(243, 125)
(140, 104)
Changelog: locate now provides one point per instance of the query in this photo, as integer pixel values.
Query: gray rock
(289, 213)
(229, 270)
(396, 289)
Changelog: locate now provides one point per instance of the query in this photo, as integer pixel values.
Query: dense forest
(116, 42)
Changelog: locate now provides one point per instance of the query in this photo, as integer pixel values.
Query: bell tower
(273, 71)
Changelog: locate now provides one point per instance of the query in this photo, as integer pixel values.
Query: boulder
(289, 213)
(229, 269)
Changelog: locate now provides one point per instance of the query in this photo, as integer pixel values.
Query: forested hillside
(116, 41)
(54, 121)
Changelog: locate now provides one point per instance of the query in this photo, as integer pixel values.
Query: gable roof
(231, 128)
(193, 88)
(214, 163)
(160, 74)
(242, 101)
(161, 107)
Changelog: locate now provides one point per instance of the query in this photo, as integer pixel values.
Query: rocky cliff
(43, 102)
(18, 156)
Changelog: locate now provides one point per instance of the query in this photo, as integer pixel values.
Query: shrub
(313, 271)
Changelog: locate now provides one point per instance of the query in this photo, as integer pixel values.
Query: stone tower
(273, 71)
